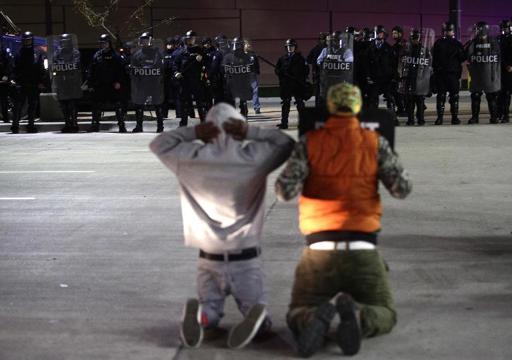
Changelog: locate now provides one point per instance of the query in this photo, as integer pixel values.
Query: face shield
(27, 42)
(145, 42)
(290, 48)
(190, 41)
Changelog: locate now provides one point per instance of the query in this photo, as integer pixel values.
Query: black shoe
(122, 128)
(473, 121)
(32, 129)
(183, 123)
(348, 334)
(242, 333)
(421, 122)
(493, 121)
(15, 129)
(257, 111)
(137, 129)
(282, 126)
(159, 129)
(312, 338)
(66, 129)
(439, 121)
(455, 121)
(409, 123)
(505, 120)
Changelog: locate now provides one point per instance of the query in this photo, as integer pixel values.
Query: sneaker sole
(348, 332)
(242, 334)
(191, 332)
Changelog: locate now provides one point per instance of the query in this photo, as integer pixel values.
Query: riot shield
(415, 64)
(338, 64)
(64, 66)
(483, 54)
(147, 74)
(380, 120)
(238, 69)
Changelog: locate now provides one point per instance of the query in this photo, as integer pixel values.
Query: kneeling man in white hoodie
(222, 167)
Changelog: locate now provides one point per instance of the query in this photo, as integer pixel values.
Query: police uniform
(6, 76)
(292, 71)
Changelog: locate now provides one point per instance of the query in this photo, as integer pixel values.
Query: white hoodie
(223, 183)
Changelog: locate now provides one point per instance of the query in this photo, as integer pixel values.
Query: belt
(244, 254)
(342, 245)
(340, 236)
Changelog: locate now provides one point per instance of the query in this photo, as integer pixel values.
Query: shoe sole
(242, 334)
(348, 333)
(191, 332)
(312, 338)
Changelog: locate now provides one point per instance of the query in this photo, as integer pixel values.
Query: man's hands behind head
(236, 128)
(208, 131)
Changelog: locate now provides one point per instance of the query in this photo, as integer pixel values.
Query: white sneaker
(191, 332)
(242, 333)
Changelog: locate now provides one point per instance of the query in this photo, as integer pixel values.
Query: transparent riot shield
(238, 69)
(64, 66)
(147, 73)
(483, 56)
(336, 62)
(415, 64)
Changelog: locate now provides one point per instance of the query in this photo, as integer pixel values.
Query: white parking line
(47, 171)
(17, 198)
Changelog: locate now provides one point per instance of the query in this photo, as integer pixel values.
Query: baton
(287, 75)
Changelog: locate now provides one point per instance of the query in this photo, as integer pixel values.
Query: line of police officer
(408, 71)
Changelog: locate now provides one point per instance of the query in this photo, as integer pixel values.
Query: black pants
(377, 88)
(285, 107)
(29, 94)
(99, 105)
(4, 101)
(188, 94)
(491, 103)
(418, 102)
(68, 108)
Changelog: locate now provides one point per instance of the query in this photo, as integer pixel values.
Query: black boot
(122, 127)
(159, 120)
(244, 110)
(139, 116)
(493, 107)
(410, 111)
(475, 108)
(420, 105)
(506, 109)
(31, 128)
(285, 111)
(440, 101)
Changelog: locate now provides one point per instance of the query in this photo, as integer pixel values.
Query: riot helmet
(448, 29)
(27, 39)
(290, 45)
(397, 32)
(238, 44)
(506, 27)
(145, 39)
(66, 41)
(190, 38)
(105, 41)
(366, 34)
(481, 29)
(170, 43)
(334, 40)
(350, 30)
(415, 36)
(322, 38)
(207, 43)
(380, 32)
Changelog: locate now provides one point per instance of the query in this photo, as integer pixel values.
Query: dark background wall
(267, 23)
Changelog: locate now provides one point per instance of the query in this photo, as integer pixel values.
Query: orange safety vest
(341, 191)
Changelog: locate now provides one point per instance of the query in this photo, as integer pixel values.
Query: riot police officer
(484, 66)
(292, 71)
(108, 81)
(362, 41)
(236, 75)
(214, 69)
(380, 70)
(189, 70)
(171, 86)
(255, 72)
(30, 77)
(505, 42)
(448, 56)
(147, 81)
(313, 55)
(6, 78)
(415, 71)
(399, 43)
